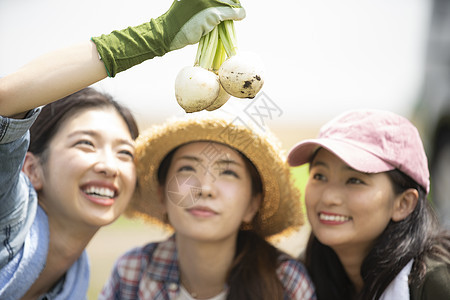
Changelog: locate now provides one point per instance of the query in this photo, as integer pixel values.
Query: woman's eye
(84, 142)
(318, 176)
(186, 169)
(354, 180)
(229, 172)
(127, 153)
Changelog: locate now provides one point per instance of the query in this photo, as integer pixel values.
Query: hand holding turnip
(210, 82)
(183, 24)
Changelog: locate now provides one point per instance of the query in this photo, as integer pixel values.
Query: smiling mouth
(100, 192)
(333, 218)
(100, 195)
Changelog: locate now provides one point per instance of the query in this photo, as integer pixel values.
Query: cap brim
(354, 156)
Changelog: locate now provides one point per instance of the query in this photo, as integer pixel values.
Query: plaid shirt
(151, 272)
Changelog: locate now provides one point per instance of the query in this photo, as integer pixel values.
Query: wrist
(123, 49)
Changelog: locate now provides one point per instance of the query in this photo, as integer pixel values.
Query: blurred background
(321, 58)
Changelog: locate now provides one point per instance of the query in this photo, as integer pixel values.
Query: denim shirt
(24, 231)
(18, 199)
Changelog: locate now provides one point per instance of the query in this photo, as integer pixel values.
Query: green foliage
(300, 175)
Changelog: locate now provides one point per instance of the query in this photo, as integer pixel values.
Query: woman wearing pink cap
(374, 234)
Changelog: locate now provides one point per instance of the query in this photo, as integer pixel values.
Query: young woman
(374, 235)
(224, 190)
(78, 174)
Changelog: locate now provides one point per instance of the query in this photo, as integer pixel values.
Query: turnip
(196, 88)
(241, 75)
(221, 99)
(213, 78)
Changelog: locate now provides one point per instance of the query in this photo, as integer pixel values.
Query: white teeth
(100, 191)
(333, 218)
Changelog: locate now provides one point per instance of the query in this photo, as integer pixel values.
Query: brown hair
(55, 113)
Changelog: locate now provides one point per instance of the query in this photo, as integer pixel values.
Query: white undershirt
(398, 289)
(184, 295)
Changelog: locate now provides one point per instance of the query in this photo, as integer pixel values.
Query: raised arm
(50, 77)
(60, 73)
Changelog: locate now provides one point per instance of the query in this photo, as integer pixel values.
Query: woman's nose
(207, 186)
(205, 191)
(107, 165)
(332, 195)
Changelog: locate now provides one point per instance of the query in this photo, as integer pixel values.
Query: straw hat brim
(280, 208)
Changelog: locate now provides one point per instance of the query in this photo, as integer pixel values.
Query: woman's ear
(33, 169)
(404, 204)
(161, 199)
(252, 208)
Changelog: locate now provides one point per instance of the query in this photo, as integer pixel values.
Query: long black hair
(416, 237)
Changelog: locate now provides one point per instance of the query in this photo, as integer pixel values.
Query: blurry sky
(321, 56)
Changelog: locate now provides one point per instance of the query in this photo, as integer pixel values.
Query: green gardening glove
(183, 24)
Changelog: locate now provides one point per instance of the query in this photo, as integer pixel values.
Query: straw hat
(280, 208)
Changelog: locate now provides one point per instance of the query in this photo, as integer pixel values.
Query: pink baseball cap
(370, 141)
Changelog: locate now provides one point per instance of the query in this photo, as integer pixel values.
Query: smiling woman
(93, 137)
(78, 175)
(347, 209)
(241, 194)
(374, 233)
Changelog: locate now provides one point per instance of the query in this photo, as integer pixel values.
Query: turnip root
(242, 75)
(196, 88)
(221, 99)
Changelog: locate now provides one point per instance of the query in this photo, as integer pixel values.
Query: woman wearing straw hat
(223, 189)
(373, 232)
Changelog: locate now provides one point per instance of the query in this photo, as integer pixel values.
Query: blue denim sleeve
(18, 199)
